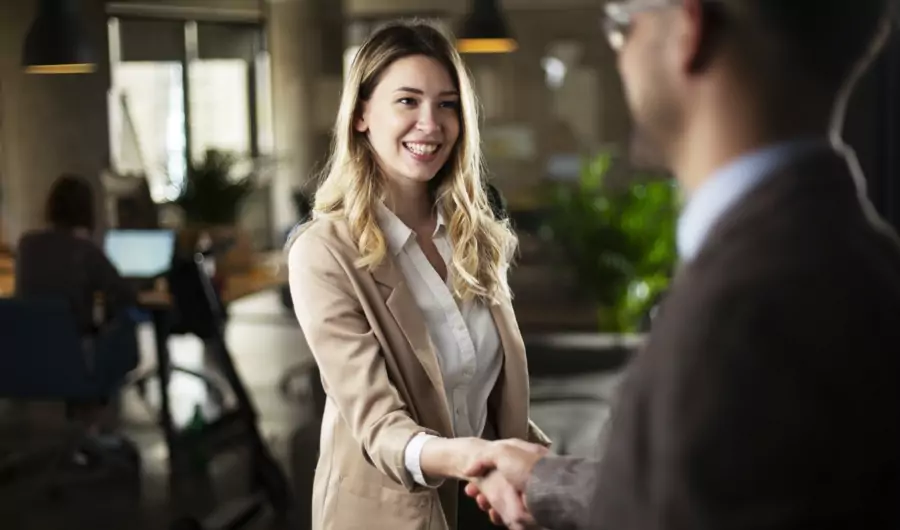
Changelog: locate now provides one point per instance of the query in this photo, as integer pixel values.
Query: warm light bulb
(486, 45)
(83, 68)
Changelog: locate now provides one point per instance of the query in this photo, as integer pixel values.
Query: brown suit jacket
(384, 385)
(768, 395)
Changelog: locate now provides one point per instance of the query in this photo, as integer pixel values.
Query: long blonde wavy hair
(483, 246)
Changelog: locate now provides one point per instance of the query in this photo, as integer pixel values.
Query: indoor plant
(619, 238)
(211, 193)
(211, 198)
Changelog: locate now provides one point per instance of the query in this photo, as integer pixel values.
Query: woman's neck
(411, 204)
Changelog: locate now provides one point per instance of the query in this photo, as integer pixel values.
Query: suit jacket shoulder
(767, 381)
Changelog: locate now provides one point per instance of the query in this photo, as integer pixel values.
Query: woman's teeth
(421, 149)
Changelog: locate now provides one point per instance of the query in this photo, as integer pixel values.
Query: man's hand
(506, 506)
(501, 492)
(514, 459)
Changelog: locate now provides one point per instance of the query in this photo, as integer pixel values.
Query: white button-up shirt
(463, 334)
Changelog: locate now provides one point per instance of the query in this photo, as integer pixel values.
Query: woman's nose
(428, 121)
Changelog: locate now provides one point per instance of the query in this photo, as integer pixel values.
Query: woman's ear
(360, 124)
(359, 120)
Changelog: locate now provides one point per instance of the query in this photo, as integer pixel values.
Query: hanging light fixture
(56, 43)
(485, 31)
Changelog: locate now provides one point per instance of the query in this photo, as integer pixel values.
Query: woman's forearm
(436, 459)
(449, 457)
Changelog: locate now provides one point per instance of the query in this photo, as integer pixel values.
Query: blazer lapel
(406, 312)
(512, 390)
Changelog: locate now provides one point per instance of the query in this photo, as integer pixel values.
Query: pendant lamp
(56, 43)
(484, 30)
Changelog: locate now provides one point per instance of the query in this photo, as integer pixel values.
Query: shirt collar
(728, 185)
(396, 232)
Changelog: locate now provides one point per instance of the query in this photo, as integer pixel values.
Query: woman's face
(412, 119)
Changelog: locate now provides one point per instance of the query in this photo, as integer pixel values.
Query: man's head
(791, 60)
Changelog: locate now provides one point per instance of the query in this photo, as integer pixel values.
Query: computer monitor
(142, 254)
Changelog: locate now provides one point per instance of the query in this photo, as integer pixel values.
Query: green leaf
(211, 193)
(621, 242)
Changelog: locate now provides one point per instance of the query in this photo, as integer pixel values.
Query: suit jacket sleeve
(715, 427)
(349, 356)
(561, 491)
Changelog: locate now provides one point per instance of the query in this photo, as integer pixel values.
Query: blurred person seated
(63, 262)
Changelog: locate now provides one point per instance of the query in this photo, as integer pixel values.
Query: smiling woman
(412, 121)
(399, 283)
(405, 86)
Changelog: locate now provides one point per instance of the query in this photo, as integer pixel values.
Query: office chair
(44, 358)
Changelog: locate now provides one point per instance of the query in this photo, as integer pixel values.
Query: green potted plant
(211, 199)
(212, 194)
(619, 238)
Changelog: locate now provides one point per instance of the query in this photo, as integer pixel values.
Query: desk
(7, 269)
(269, 272)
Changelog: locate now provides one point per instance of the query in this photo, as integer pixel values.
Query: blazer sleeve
(537, 436)
(349, 356)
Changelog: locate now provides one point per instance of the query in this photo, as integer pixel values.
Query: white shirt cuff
(412, 460)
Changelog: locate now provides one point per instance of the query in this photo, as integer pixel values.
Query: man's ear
(692, 23)
(702, 25)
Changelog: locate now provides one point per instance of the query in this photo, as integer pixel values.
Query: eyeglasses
(620, 15)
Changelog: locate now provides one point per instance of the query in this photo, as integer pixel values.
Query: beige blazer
(384, 385)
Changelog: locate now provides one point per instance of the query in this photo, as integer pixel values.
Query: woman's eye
(450, 104)
(406, 101)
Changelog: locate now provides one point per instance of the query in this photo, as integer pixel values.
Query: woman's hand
(513, 458)
(451, 457)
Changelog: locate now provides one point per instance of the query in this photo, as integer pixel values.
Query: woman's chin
(421, 173)
(421, 176)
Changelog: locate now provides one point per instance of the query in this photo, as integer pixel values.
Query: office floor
(267, 345)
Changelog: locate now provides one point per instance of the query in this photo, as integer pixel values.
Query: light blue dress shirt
(728, 185)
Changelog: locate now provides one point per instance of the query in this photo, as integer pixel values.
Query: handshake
(498, 474)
